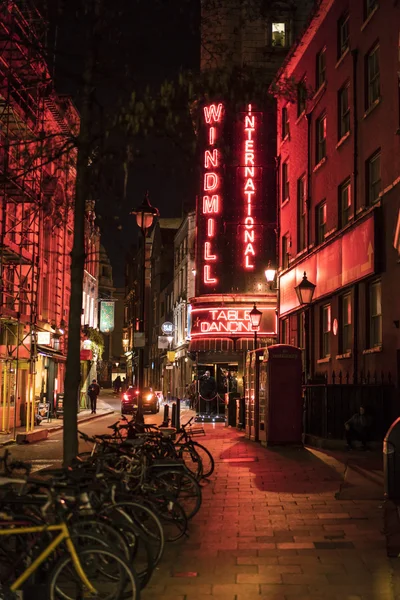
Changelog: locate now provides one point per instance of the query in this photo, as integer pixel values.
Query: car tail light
(137, 392)
(125, 397)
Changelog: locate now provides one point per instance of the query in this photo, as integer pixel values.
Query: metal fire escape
(22, 83)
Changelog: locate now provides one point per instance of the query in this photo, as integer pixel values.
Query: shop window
(343, 111)
(375, 315)
(373, 173)
(346, 324)
(320, 68)
(343, 34)
(301, 213)
(345, 203)
(325, 331)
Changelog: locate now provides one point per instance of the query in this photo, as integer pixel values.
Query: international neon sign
(249, 188)
(211, 200)
(219, 321)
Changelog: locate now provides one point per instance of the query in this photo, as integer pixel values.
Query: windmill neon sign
(211, 201)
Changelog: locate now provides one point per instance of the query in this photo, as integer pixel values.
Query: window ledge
(301, 253)
(322, 361)
(329, 233)
(319, 165)
(285, 139)
(343, 139)
(372, 107)
(343, 356)
(301, 115)
(285, 202)
(373, 350)
(367, 20)
(342, 57)
(320, 90)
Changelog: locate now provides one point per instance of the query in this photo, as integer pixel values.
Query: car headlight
(149, 396)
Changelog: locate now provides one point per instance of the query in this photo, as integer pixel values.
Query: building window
(285, 122)
(343, 111)
(373, 172)
(372, 77)
(301, 97)
(369, 7)
(320, 138)
(320, 222)
(320, 69)
(301, 213)
(345, 206)
(285, 331)
(346, 324)
(326, 331)
(279, 35)
(375, 315)
(285, 252)
(343, 34)
(285, 182)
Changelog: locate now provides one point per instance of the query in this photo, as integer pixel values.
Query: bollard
(178, 414)
(166, 416)
(173, 415)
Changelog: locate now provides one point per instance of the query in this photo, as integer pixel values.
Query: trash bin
(391, 462)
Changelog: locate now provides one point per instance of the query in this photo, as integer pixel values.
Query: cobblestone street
(280, 524)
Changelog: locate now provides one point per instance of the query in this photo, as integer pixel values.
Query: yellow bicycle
(91, 572)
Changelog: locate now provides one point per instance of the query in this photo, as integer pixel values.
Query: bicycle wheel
(182, 486)
(191, 458)
(170, 513)
(207, 459)
(108, 572)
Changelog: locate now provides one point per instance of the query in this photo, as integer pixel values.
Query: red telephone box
(274, 395)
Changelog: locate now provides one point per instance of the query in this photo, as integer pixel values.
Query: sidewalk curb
(60, 427)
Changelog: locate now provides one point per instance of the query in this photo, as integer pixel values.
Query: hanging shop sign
(86, 355)
(43, 338)
(163, 342)
(107, 316)
(167, 327)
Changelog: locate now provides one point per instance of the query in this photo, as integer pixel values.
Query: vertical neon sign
(249, 188)
(211, 204)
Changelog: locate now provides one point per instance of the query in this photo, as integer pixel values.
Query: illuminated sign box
(226, 321)
(107, 313)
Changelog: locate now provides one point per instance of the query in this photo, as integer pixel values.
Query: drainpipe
(277, 238)
(355, 196)
(309, 168)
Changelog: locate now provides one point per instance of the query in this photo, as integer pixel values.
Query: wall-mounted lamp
(194, 272)
(270, 275)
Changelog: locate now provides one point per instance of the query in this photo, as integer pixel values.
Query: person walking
(93, 392)
(117, 384)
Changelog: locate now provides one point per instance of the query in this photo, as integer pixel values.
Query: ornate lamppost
(305, 292)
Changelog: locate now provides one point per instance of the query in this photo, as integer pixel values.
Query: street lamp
(270, 273)
(145, 215)
(305, 292)
(255, 318)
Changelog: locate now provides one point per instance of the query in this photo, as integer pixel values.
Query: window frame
(285, 331)
(285, 34)
(285, 184)
(345, 213)
(301, 213)
(343, 21)
(301, 96)
(320, 68)
(285, 251)
(374, 318)
(372, 84)
(320, 142)
(320, 226)
(284, 122)
(346, 325)
(326, 329)
(369, 7)
(378, 182)
(343, 115)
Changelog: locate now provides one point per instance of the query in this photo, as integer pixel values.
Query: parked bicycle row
(98, 529)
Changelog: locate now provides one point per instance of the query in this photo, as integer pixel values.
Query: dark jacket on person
(93, 390)
(359, 423)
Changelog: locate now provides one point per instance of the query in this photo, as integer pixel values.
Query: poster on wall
(107, 314)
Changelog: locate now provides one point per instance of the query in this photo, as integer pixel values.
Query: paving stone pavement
(273, 527)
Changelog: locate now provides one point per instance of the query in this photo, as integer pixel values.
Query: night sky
(148, 42)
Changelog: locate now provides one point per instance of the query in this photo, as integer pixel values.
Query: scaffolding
(24, 83)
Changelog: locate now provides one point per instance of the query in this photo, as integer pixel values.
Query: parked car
(130, 401)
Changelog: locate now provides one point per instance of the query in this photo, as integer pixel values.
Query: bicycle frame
(62, 536)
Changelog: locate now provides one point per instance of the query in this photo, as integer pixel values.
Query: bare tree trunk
(73, 376)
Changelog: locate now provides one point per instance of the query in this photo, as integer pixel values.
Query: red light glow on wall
(211, 204)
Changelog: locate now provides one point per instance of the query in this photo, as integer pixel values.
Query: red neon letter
(211, 136)
(213, 113)
(207, 252)
(248, 264)
(211, 159)
(207, 275)
(210, 227)
(210, 181)
(210, 205)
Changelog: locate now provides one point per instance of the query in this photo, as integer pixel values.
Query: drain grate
(245, 459)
